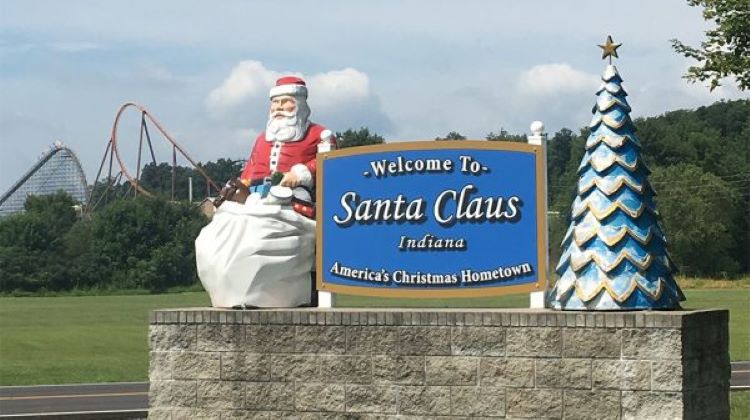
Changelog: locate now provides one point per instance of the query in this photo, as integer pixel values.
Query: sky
(407, 70)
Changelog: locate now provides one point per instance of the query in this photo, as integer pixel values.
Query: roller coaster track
(58, 168)
(113, 152)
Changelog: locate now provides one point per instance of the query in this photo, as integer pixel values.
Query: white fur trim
(290, 89)
(304, 174)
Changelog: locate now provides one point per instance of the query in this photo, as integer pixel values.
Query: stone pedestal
(350, 363)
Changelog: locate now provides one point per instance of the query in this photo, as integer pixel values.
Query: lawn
(49, 340)
(739, 405)
(71, 339)
(736, 300)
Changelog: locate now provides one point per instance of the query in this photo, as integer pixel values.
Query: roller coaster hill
(176, 178)
(57, 169)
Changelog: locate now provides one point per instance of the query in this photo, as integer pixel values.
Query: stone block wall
(381, 364)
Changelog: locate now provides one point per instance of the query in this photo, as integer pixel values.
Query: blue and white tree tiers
(614, 252)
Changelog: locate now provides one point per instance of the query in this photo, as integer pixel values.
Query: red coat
(283, 155)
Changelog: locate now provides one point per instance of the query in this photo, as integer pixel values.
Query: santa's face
(282, 106)
(287, 119)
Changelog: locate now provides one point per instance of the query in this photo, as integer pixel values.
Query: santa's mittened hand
(290, 180)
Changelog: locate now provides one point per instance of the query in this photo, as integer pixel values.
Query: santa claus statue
(289, 144)
(259, 249)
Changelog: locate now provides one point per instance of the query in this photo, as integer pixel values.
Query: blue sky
(408, 70)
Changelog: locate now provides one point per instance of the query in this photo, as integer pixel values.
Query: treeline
(700, 163)
(157, 179)
(141, 243)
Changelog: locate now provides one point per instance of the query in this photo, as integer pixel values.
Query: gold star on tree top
(609, 49)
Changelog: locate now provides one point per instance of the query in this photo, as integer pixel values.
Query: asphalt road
(109, 400)
(740, 379)
(130, 400)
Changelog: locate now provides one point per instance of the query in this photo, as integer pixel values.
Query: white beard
(289, 127)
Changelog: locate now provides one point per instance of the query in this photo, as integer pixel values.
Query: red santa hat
(289, 85)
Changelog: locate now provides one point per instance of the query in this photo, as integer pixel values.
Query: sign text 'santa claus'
(431, 219)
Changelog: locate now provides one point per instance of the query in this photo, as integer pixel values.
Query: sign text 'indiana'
(395, 220)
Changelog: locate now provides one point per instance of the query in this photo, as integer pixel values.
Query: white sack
(256, 254)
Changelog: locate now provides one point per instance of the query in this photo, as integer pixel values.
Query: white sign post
(537, 138)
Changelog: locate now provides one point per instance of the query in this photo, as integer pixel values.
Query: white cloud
(340, 99)
(556, 78)
(248, 79)
(339, 86)
(466, 79)
(251, 80)
(557, 94)
(650, 96)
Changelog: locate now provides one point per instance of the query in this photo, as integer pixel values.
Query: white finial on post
(537, 130)
(537, 137)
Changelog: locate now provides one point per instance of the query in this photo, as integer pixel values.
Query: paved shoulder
(740, 376)
(110, 400)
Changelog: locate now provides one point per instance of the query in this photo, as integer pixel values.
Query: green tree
(107, 190)
(562, 173)
(713, 138)
(558, 154)
(361, 137)
(561, 180)
(698, 210)
(15, 265)
(32, 244)
(135, 243)
(41, 227)
(220, 171)
(726, 49)
(453, 135)
(504, 135)
(157, 179)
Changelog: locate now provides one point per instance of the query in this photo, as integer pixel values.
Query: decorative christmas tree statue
(614, 252)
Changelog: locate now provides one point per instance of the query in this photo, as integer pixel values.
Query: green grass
(75, 339)
(736, 300)
(706, 283)
(53, 340)
(739, 405)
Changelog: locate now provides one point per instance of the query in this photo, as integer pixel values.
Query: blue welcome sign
(431, 219)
